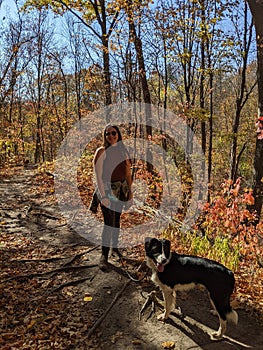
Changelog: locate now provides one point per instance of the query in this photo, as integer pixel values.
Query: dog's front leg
(169, 300)
(221, 331)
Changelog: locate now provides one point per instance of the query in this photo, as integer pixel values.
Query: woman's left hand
(105, 202)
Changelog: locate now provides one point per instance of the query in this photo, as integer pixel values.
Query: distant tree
(15, 40)
(256, 8)
(243, 88)
(131, 8)
(79, 60)
(37, 79)
(98, 16)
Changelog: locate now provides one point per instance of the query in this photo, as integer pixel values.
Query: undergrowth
(220, 249)
(226, 231)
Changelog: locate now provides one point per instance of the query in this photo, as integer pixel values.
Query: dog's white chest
(177, 287)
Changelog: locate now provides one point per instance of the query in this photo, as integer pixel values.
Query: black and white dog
(173, 272)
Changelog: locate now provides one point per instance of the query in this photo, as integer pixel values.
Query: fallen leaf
(87, 297)
(168, 345)
(8, 336)
(116, 337)
(31, 324)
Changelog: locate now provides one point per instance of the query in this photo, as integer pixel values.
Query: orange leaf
(168, 345)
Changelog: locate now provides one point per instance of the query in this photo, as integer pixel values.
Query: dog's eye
(155, 249)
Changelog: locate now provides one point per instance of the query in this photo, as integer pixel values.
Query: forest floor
(53, 295)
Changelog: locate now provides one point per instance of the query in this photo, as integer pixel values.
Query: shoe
(103, 263)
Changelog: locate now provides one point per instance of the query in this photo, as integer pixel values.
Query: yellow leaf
(168, 345)
(87, 297)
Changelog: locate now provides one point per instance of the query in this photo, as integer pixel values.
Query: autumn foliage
(228, 216)
(226, 232)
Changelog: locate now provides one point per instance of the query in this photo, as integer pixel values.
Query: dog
(173, 272)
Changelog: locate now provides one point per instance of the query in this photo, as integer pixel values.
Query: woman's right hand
(106, 202)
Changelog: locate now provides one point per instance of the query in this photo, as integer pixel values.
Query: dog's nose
(163, 261)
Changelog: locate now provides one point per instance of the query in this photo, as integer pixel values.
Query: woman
(114, 180)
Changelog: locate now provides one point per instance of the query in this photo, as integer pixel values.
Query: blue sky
(8, 8)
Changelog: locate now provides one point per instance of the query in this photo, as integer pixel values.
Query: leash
(138, 269)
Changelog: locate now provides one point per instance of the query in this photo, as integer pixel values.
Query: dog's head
(158, 250)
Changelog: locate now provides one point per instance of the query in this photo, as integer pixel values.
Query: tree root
(70, 283)
(152, 300)
(103, 316)
(70, 258)
(60, 269)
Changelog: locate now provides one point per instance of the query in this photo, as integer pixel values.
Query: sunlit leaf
(87, 297)
(168, 345)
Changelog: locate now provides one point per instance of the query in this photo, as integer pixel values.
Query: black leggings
(111, 229)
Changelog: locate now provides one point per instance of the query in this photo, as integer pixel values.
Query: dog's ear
(167, 242)
(167, 246)
(147, 241)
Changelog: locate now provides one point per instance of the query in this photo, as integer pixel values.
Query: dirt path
(46, 308)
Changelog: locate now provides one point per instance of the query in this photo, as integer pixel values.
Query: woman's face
(111, 135)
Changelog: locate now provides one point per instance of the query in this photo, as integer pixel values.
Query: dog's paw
(216, 336)
(162, 317)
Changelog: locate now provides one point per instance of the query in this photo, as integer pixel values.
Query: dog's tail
(232, 316)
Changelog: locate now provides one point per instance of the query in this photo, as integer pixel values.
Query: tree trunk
(106, 69)
(242, 96)
(256, 8)
(202, 76)
(145, 88)
(139, 53)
